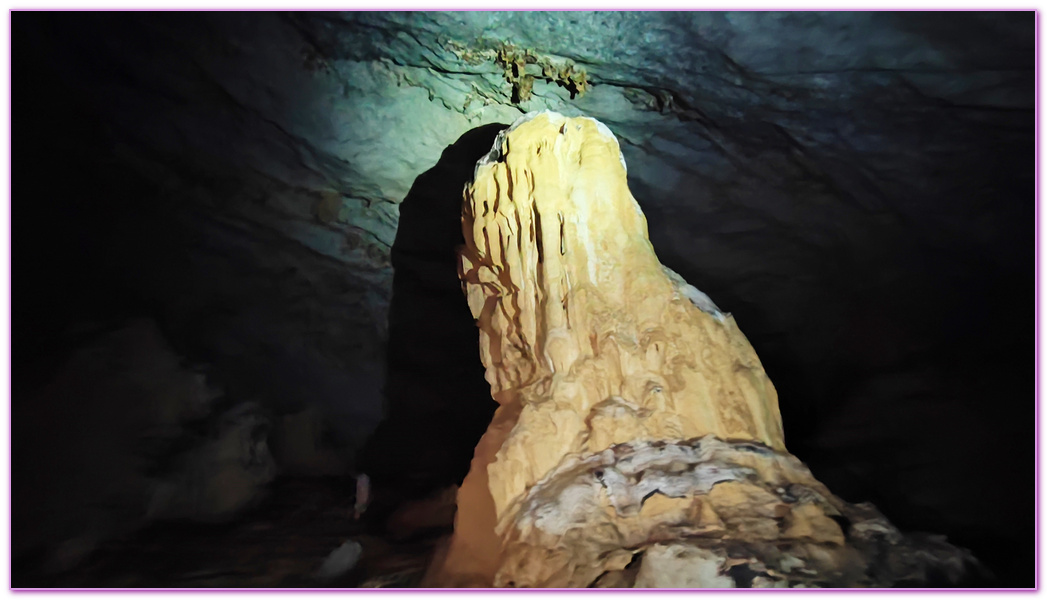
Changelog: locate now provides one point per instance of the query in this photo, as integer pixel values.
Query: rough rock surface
(221, 473)
(855, 187)
(619, 386)
(124, 432)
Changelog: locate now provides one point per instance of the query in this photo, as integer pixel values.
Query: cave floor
(279, 543)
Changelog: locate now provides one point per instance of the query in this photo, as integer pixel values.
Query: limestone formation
(638, 440)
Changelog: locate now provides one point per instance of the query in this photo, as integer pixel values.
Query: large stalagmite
(638, 439)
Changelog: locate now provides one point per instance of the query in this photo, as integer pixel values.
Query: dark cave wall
(142, 222)
(856, 188)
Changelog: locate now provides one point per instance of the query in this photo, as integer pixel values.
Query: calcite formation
(638, 440)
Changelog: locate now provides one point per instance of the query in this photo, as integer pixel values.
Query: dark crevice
(437, 400)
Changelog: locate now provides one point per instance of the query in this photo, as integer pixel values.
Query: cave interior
(237, 282)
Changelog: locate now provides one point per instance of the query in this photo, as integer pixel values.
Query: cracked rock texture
(603, 363)
(855, 188)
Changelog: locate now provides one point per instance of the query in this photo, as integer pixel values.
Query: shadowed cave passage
(437, 402)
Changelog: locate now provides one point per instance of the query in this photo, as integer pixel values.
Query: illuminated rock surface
(638, 440)
(854, 187)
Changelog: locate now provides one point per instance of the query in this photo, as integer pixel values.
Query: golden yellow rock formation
(633, 413)
(580, 325)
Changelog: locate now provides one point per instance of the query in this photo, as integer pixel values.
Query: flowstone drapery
(638, 440)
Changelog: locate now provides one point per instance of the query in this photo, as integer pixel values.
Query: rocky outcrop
(638, 439)
(123, 432)
(221, 473)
